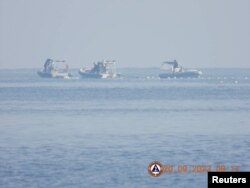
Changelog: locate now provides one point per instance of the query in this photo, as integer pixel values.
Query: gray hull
(89, 75)
(53, 75)
(44, 74)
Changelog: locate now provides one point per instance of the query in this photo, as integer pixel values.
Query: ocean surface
(72, 133)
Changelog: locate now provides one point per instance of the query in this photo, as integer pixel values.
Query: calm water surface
(103, 133)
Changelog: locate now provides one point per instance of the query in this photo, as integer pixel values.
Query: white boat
(51, 70)
(102, 69)
(178, 71)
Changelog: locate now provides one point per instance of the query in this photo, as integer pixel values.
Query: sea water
(103, 133)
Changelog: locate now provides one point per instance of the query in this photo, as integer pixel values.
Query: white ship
(102, 69)
(178, 71)
(51, 70)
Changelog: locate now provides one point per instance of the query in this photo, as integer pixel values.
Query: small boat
(102, 69)
(178, 71)
(51, 70)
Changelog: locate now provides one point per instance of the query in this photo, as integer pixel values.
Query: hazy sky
(136, 33)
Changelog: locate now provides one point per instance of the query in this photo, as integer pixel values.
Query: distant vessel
(178, 71)
(51, 70)
(102, 69)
